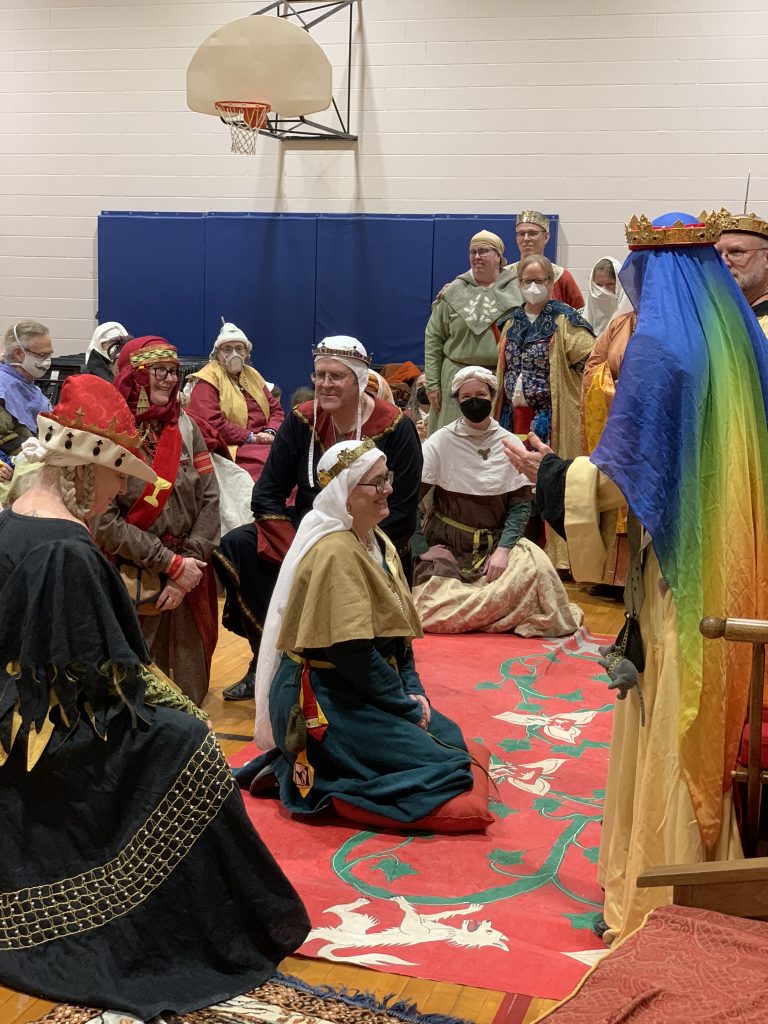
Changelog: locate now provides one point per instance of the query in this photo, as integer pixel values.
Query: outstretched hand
(526, 462)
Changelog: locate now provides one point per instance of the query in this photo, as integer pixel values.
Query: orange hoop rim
(252, 112)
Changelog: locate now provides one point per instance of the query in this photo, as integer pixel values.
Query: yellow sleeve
(591, 505)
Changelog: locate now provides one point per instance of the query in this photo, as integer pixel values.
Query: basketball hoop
(245, 120)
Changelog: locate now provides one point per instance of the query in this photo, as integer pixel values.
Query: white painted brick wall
(591, 108)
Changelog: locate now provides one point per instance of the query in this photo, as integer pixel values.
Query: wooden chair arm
(753, 870)
(753, 631)
(737, 887)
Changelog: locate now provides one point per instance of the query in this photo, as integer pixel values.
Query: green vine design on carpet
(395, 867)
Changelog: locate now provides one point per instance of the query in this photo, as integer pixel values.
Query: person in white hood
(104, 348)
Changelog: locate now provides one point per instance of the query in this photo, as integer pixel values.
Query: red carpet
(511, 909)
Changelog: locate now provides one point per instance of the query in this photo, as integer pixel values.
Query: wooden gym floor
(233, 722)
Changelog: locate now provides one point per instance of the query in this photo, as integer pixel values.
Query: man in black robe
(250, 556)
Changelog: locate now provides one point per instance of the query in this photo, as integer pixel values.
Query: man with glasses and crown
(250, 556)
(532, 235)
(744, 247)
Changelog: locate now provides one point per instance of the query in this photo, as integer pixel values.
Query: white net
(244, 122)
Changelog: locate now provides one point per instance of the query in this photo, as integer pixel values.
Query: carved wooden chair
(751, 770)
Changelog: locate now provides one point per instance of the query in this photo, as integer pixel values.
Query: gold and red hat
(673, 230)
(90, 425)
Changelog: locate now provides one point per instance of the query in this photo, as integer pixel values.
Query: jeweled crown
(643, 234)
(747, 222)
(532, 217)
(346, 458)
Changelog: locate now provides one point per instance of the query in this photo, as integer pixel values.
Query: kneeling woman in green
(339, 704)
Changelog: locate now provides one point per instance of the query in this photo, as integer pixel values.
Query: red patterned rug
(509, 910)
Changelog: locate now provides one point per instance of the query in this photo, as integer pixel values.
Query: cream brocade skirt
(528, 599)
(649, 819)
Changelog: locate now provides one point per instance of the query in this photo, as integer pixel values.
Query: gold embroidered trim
(160, 353)
(42, 913)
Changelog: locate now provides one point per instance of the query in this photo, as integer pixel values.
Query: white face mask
(534, 293)
(235, 362)
(36, 366)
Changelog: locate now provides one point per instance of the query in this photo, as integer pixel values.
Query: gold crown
(154, 355)
(532, 217)
(747, 222)
(641, 234)
(346, 457)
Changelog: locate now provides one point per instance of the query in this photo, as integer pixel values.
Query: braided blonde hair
(78, 504)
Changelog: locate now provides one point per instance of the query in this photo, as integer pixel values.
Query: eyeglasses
(740, 255)
(380, 482)
(229, 349)
(480, 252)
(542, 282)
(329, 378)
(161, 372)
(532, 233)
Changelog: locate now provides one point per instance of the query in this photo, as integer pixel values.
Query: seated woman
(131, 877)
(163, 535)
(480, 574)
(235, 400)
(342, 616)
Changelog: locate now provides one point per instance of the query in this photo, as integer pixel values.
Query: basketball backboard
(260, 58)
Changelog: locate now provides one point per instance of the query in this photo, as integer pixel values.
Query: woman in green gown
(340, 706)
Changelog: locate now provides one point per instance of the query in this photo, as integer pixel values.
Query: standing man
(27, 350)
(744, 247)
(532, 235)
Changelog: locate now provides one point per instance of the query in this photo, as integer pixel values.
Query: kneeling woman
(343, 618)
(480, 574)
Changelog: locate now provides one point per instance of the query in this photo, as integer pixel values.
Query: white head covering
(329, 515)
(351, 353)
(229, 332)
(473, 373)
(104, 336)
(465, 460)
(603, 305)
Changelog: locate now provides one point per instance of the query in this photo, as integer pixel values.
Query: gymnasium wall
(592, 109)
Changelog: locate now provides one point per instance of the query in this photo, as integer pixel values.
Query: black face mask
(476, 409)
(421, 396)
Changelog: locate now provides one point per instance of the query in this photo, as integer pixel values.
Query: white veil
(603, 305)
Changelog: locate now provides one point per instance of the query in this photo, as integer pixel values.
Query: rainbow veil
(687, 442)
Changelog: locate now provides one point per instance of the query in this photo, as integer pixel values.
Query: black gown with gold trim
(130, 876)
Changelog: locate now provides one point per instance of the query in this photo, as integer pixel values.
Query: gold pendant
(142, 405)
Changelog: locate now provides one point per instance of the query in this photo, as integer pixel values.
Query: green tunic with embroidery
(460, 333)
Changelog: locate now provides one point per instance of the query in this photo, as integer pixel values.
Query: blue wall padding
(287, 280)
(374, 276)
(260, 272)
(452, 235)
(152, 275)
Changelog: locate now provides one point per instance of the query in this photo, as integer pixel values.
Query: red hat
(90, 425)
